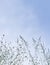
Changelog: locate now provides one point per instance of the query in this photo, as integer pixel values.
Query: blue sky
(29, 18)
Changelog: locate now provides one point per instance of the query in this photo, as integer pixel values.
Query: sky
(29, 18)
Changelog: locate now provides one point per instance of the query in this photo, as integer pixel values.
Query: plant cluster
(20, 54)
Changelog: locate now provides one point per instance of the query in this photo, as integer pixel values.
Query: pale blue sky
(30, 18)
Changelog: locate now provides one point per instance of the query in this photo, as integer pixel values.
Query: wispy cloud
(17, 18)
